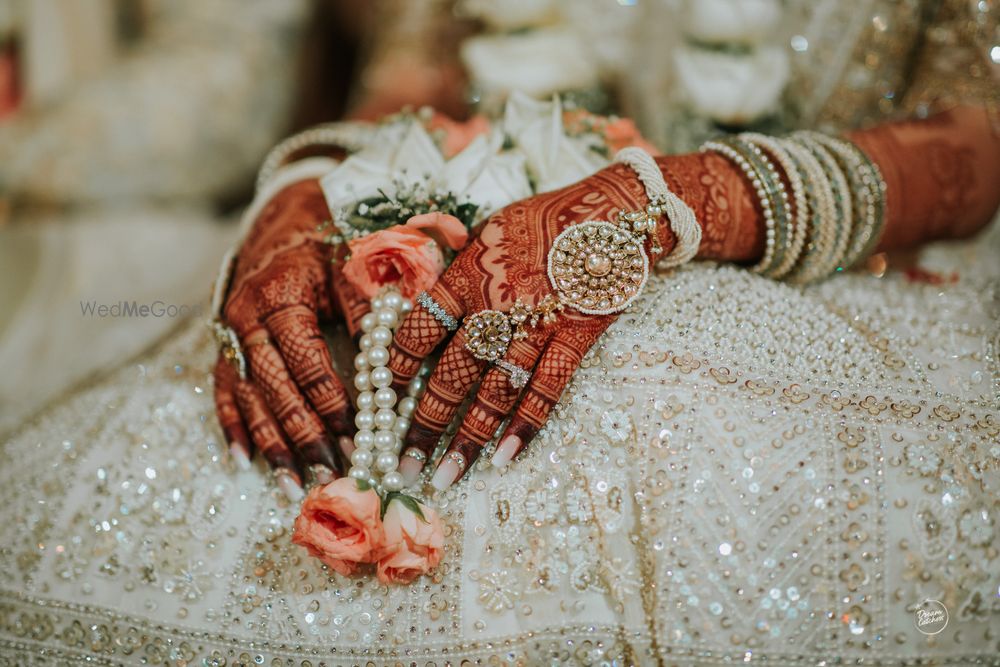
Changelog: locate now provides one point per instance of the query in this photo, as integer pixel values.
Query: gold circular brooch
(597, 268)
(488, 334)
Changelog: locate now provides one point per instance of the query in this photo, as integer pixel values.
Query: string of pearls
(382, 423)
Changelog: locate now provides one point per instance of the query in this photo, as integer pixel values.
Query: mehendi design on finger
(304, 349)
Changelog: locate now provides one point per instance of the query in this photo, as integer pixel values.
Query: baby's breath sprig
(380, 212)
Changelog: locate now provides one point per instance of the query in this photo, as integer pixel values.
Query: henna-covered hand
(508, 261)
(292, 404)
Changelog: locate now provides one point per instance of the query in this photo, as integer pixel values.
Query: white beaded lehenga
(741, 472)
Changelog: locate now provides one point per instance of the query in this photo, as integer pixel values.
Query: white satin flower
(404, 155)
(732, 88)
(733, 21)
(401, 154)
(553, 159)
(486, 176)
(538, 63)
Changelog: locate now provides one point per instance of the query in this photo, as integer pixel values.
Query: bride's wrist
(721, 198)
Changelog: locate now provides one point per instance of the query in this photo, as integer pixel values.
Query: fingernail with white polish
(410, 468)
(239, 456)
(346, 445)
(505, 451)
(289, 486)
(445, 475)
(322, 474)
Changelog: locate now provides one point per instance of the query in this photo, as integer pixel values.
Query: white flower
(404, 155)
(486, 176)
(734, 21)
(553, 159)
(400, 153)
(976, 528)
(498, 591)
(617, 425)
(922, 458)
(732, 88)
(537, 63)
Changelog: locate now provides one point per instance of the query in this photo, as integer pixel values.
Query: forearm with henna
(292, 403)
(942, 177)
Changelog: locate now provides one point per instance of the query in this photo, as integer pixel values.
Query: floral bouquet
(403, 206)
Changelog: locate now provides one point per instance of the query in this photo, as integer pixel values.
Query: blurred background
(131, 130)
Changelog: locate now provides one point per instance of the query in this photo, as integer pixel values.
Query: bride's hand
(507, 261)
(292, 403)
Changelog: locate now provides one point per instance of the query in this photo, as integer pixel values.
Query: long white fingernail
(289, 486)
(322, 474)
(410, 468)
(239, 456)
(505, 451)
(445, 475)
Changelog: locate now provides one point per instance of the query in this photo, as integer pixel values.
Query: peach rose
(622, 132)
(457, 134)
(408, 256)
(339, 524)
(617, 132)
(414, 541)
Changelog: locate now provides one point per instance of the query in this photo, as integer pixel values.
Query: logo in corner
(931, 617)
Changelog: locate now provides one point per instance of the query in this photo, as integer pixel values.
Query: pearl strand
(381, 423)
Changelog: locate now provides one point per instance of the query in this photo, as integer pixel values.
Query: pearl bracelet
(770, 193)
(836, 234)
(867, 189)
(382, 423)
(799, 226)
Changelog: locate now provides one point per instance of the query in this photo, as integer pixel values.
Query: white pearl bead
(361, 362)
(377, 304)
(406, 308)
(381, 336)
(378, 356)
(387, 318)
(385, 418)
(362, 458)
(366, 400)
(401, 426)
(381, 376)
(362, 381)
(365, 343)
(385, 397)
(386, 461)
(406, 406)
(384, 440)
(393, 300)
(416, 387)
(364, 439)
(364, 420)
(357, 472)
(368, 322)
(392, 481)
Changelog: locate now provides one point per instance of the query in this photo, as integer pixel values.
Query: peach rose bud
(458, 134)
(414, 541)
(402, 256)
(339, 524)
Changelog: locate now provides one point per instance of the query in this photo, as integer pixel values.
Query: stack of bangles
(832, 219)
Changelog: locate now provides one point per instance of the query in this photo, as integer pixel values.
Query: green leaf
(409, 502)
(363, 484)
